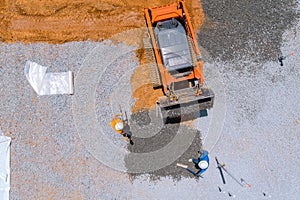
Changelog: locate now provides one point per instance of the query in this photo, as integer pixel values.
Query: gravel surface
(111, 95)
(239, 29)
(51, 157)
(259, 141)
(163, 137)
(48, 160)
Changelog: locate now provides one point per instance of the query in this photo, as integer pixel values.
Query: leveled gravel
(57, 141)
(48, 160)
(239, 29)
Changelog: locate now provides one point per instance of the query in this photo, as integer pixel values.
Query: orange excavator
(175, 62)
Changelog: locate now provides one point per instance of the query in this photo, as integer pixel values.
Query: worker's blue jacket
(204, 156)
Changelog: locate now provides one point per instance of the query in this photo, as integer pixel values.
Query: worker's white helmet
(203, 164)
(119, 126)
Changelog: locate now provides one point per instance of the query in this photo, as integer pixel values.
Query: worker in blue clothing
(201, 163)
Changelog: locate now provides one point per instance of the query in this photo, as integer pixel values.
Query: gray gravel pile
(160, 139)
(157, 140)
(237, 29)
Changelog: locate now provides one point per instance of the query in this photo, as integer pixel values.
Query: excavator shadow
(186, 117)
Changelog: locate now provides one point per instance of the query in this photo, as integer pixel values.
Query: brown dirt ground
(60, 21)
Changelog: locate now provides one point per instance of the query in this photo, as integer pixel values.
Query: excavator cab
(173, 45)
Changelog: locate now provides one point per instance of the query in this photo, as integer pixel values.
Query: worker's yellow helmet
(119, 126)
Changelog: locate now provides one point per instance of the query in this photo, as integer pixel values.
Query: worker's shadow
(128, 133)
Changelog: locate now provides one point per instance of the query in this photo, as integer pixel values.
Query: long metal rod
(232, 176)
(219, 166)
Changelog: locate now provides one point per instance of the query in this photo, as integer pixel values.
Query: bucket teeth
(153, 68)
(188, 106)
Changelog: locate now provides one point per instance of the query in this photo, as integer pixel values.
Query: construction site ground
(63, 146)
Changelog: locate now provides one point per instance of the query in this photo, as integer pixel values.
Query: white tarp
(4, 166)
(48, 83)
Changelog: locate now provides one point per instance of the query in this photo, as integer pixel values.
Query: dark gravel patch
(159, 140)
(235, 29)
(176, 172)
(141, 117)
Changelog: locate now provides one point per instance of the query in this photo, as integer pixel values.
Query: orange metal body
(176, 10)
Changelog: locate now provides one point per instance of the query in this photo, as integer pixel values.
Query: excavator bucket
(188, 106)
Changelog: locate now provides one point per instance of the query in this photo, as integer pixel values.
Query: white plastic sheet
(4, 166)
(48, 83)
